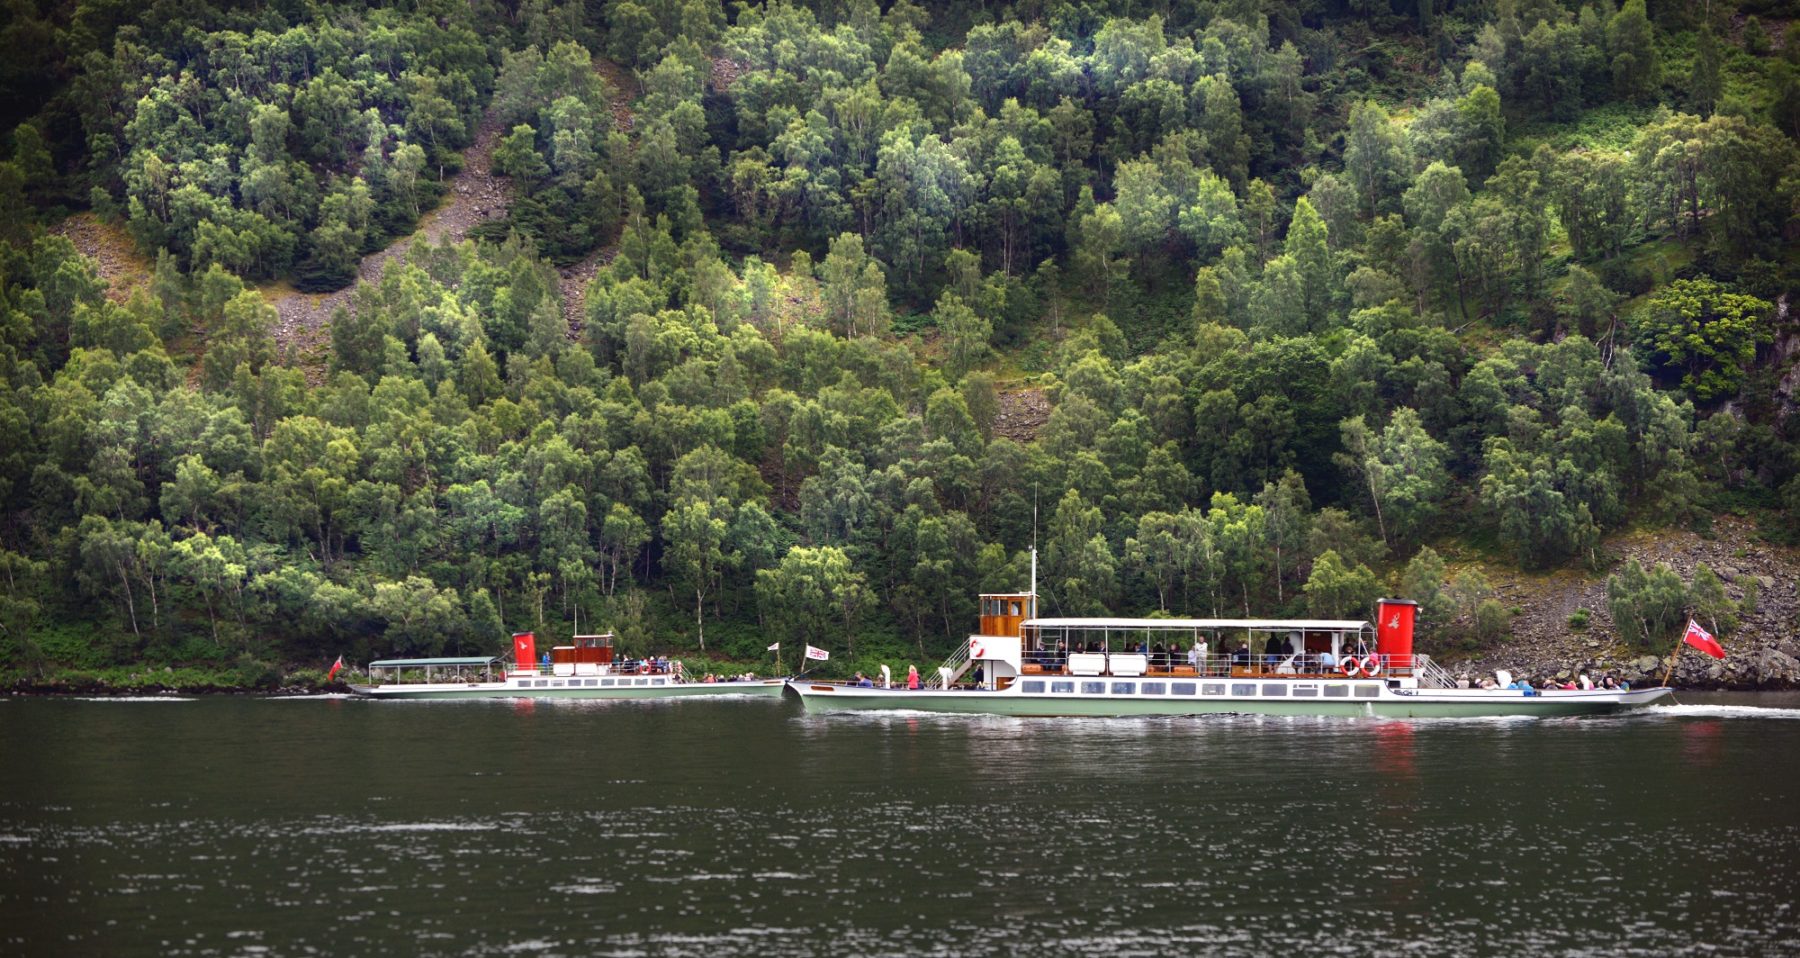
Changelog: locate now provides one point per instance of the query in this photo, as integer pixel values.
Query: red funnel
(1394, 631)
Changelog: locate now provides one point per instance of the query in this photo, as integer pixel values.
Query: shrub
(1578, 620)
(1646, 605)
(1492, 621)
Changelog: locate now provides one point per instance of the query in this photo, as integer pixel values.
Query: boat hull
(1390, 703)
(770, 688)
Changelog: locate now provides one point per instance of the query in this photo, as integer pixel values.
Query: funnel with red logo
(1394, 630)
(525, 650)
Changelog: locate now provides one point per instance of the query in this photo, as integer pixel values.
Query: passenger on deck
(912, 677)
(1197, 655)
(1586, 684)
(863, 681)
(1242, 656)
(1327, 661)
(1271, 651)
(1610, 684)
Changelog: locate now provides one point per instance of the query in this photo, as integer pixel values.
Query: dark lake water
(342, 827)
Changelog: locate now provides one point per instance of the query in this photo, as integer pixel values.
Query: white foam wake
(133, 698)
(1721, 711)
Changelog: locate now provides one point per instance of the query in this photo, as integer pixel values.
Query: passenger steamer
(585, 669)
(1023, 665)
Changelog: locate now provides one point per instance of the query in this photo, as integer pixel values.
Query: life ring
(1351, 667)
(1372, 665)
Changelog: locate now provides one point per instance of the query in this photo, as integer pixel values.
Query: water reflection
(220, 827)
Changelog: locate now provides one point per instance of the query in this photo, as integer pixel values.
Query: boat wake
(431, 827)
(1720, 711)
(133, 698)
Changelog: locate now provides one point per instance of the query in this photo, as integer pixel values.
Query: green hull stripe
(633, 692)
(1071, 706)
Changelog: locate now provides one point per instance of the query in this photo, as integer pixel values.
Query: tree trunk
(130, 602)
(700, 616)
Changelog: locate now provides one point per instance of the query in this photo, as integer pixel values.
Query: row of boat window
(578, 683)
(1237, 689)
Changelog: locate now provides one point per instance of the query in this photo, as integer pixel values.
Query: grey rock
(1648, 663)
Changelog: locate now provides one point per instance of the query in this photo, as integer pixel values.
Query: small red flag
(1701, 639)
(332, 675)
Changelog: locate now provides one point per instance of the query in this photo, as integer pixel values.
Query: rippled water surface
(336, 826)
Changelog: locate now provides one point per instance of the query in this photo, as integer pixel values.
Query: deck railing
(954, 666)
(1180, 663)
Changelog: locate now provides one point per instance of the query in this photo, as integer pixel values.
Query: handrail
(1243, 663)
(1432, 675)
(954, 665)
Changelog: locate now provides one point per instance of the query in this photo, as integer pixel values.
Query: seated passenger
(1327, 661)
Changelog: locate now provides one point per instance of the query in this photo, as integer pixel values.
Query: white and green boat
(585, 669)
(1023, 665)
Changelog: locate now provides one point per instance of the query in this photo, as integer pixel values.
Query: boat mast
(1031, 613)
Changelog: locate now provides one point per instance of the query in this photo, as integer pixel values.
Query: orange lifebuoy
(1351, 668)
(1372, 665)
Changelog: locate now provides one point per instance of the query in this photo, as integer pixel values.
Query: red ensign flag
(331, 675)
(1701, 639)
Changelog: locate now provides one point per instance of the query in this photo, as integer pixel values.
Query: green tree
(694, 530)
(1633, 46)
(1706, 330)
(966, 333)
(811, 593)
(1706, 85)
(1335, 590)
(1374, 157)
(1402, 469)
(1647, 605)
(1078, 562)
(1710, 603)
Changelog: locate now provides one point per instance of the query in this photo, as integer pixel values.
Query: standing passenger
(912, 677)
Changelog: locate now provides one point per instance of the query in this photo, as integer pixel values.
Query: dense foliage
(1304, 285)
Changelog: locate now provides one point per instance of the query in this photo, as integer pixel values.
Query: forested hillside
(804, 321)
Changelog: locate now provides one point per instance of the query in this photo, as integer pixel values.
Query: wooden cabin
(1003, 614)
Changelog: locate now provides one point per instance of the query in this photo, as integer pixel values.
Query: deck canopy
(472, 662)
(1203, 625)
(1161, 636)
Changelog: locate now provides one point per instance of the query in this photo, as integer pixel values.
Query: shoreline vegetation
(384, 332)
